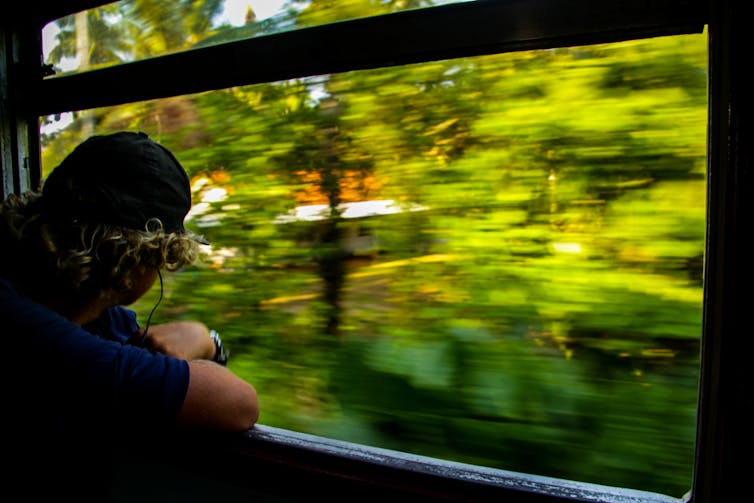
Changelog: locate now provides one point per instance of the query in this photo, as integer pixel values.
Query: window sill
(280, 465)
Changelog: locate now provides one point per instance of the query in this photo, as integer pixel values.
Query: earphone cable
(149, 319)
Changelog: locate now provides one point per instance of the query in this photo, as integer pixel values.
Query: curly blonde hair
(44, 254)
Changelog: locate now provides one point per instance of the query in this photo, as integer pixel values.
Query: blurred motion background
(494, 260)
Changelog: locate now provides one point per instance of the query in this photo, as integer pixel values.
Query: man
(80, 374)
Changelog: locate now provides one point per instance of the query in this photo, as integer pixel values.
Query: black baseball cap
(125, 179)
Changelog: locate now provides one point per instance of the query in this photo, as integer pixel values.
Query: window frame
(466, 29)
(449, 31)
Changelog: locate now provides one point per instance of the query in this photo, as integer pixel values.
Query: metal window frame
(724, 439)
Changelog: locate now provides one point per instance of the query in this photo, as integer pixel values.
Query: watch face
(221, 355)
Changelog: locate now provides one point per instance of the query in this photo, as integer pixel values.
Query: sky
(234, 11)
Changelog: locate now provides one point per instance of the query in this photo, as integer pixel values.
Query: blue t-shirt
(99, 368)
(71, 393)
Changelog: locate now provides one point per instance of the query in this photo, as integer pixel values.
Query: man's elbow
(217, 399)
(242, 408)
(248, 413)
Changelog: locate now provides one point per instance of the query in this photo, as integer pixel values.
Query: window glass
(493, 260)
(136, 29)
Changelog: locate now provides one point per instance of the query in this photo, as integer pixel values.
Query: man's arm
(218, 399)
(187, 340)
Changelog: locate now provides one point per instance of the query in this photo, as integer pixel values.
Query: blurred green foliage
(532, 299)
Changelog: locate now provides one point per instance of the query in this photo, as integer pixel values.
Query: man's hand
(187, 340)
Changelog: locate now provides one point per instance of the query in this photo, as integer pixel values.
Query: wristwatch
(221, 355)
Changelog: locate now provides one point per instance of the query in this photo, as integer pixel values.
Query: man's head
(113, 207)
(124, 179)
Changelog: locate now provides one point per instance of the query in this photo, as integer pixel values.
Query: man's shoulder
(6, 286)
(115, 323)
(11, 300)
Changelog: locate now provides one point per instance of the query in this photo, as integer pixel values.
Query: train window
(495, 260)
(130, 30)
(468, 251)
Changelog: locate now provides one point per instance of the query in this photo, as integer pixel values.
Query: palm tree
(92, 37)
(162, 27)
(133, 29)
